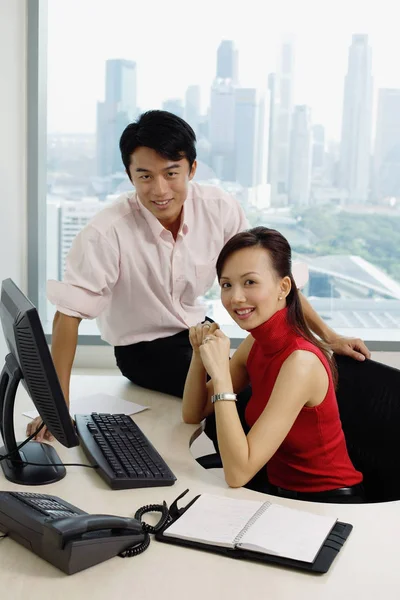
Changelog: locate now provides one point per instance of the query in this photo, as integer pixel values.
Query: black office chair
(368, 395)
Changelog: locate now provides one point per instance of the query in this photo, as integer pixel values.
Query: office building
(387, 146)
(227, 61)
(272, 123)
(222, 129)
(300, 157)
(192, 107)
(74, 216)
(355, 147)
(115, 113)
(281, 108)
(251, 137)
(318, 149)
(174, 106)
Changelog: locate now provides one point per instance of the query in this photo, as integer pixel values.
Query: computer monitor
(29, 362)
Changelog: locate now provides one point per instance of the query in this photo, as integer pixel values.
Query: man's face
(161, 184)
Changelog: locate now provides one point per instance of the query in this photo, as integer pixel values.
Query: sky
(175, 43)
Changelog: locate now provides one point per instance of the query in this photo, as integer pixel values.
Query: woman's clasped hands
(212, 346)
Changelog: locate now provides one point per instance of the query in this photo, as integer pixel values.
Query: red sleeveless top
(313, 457)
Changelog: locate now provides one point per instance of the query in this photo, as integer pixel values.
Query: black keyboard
(124, 455)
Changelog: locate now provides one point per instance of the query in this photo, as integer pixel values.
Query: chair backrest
(368, 396)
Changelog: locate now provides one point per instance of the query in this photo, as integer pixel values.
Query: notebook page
(288, 532)
(214, 520)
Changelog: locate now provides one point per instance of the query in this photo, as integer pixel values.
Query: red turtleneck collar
(275, 334)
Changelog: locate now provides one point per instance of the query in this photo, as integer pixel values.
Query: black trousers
(160, 365)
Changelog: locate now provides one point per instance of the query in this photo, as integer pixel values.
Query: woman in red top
(295, 429)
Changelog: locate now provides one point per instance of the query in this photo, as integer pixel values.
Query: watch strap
(225, 396)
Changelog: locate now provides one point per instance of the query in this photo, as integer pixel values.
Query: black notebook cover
(321, 564)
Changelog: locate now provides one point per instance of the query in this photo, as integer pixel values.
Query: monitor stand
(49, 468)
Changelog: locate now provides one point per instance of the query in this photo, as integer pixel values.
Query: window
(303, 129)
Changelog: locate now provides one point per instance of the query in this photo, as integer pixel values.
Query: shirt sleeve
(91, 271)
(233, 217)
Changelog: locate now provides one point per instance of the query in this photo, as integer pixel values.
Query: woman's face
(251, 291)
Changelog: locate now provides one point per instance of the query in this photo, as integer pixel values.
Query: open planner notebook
(256, 526)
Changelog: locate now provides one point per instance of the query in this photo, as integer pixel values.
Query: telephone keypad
(45, 505)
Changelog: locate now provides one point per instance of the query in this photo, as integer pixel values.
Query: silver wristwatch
(225, 396)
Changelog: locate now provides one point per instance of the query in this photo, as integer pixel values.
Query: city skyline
(250, 138)
(239, 133)
(321, 55)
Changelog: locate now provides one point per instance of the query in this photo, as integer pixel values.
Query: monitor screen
(30, 362)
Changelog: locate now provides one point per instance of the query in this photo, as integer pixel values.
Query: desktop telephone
(66, 536)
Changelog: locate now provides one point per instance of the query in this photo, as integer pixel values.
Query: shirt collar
(155, 225)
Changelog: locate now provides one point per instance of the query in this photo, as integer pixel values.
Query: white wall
(12, 144)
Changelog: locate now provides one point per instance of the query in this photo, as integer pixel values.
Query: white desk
(368, 566)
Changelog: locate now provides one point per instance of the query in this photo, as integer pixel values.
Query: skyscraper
(227, 61)
(115, 113)
(192, 106)
(174, 106)
(273, 109)
(355, 145)
(300, 157)
(387, 145)
(222, 129)
(281, 108)
(222, 112)
(318, 149)
(250, 137)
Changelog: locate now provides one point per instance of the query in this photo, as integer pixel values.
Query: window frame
(37, 172)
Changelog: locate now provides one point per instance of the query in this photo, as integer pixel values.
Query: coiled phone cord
(147, 529)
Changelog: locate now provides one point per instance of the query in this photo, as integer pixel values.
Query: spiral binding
(251, 522)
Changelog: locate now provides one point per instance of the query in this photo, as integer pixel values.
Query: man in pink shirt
(141, 264)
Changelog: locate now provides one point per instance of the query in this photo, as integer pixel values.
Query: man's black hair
(162, 131)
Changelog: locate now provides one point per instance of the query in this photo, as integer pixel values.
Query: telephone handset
(62, 531)
(65, 535)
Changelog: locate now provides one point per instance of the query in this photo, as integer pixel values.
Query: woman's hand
(214, 352)
(199, 332)
(43, 435)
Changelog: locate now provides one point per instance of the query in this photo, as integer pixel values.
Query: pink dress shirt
(127, 271)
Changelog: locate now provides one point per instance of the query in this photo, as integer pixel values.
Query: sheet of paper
(288, 532)
(214, 519)
(100, 403)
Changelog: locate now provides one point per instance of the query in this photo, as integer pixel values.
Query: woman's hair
(162, 131)
(280, 254)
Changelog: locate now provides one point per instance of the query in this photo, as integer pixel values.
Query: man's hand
(44, 433)
(353, 347)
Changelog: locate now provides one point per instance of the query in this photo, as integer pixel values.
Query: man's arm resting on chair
(353, 347)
